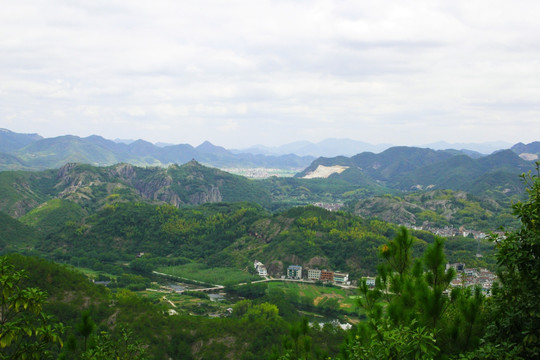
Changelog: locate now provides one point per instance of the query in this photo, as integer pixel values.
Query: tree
(26, 332)
(516, 303)
(411, 309)
(86, 326)
(125, 348)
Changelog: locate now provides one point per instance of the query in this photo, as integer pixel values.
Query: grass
(203, 273)
(347, 298)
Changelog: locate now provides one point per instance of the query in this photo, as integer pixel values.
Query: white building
(261, 269)
(314, 274)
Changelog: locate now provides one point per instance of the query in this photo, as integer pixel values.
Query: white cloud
(244, 72)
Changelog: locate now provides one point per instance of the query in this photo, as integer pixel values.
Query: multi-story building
(294, 272)
(327, 276)
(341, 278)
(313, 274)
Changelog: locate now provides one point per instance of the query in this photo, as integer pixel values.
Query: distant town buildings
(326, 276)
(451, 231)
(469, 277)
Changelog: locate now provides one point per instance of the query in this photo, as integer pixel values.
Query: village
(465, 277)
(296, 272)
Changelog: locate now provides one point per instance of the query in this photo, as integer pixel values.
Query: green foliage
(53, 215)
(85, 327)
(410, 314)
(439, 208)
(389, 341)
(197, 294)
(125, 347)
(516, 304)
(209, 275)
(15, 235)
(26, 331)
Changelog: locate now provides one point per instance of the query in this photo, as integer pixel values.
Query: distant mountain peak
(208, 147)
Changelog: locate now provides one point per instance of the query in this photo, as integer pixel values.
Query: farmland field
(320, 295)
(203, 273)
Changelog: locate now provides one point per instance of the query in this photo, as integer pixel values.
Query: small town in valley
(465, 277)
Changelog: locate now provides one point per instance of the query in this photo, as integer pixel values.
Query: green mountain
(531, 148)
(14, 235)
(22, 152)
(500, 170)
(229, 235)
(438, 209)
(11, 162)
(10, 140)
(409, 169)
(53, 215)
(92, 187)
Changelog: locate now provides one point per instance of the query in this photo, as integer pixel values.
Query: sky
(240, 73)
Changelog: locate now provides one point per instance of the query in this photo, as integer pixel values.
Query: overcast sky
(239, 73)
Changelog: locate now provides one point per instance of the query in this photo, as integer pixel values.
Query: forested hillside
(32, 152)
(438, 209)
(91, 187)
(408, 169)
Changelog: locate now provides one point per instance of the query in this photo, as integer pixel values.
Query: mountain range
(33, 152)
(348, 147)
(410, 169)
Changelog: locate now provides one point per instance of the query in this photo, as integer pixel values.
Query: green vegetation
(118, 224)
(318, 298)
(514, 310)
(53, 214)
(409, 314)
(439, 209)
(12, 229)
(209, 275)
(26, 331)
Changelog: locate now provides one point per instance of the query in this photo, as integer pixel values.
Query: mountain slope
(406, 169)
(15, 235)
(25, 152)
(10, 140)
(531, 148)
(92, 187)
(438, 209)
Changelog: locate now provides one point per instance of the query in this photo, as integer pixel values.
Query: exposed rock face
(22, 207)
(85, 184)
(211, 195)
(317, 261)
(275, 268)
(169, 196)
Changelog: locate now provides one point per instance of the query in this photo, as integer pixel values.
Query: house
(327, 276)
(370, 282)
(457, 266)
(294, 272)
(341, 278)
(313, 274)
(471, 272)
(261, 269)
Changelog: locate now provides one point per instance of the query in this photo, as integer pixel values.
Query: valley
(170, 250)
